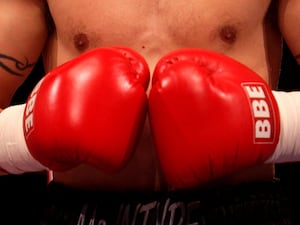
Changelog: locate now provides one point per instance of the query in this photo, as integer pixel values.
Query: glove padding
(89, 110)
(210, 116)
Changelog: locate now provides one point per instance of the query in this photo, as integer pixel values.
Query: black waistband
(256, 203)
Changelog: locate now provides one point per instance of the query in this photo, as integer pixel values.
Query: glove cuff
(15, 157)
(288, 147)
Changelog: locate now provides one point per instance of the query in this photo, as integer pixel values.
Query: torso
(153, 28)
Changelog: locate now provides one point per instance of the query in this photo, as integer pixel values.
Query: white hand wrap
(15, 157)
(288, 147)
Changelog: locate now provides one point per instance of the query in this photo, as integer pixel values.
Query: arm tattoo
(19, 66)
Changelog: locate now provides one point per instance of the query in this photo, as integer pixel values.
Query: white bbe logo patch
(262, 112)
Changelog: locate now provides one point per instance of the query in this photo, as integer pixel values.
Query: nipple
(81, 42)
(228, 34)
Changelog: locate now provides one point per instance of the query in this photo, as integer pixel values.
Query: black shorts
(22, 198)
(245, 204)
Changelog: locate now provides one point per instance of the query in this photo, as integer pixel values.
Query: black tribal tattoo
(19, 66)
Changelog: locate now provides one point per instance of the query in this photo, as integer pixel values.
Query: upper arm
(289, 22)
(23, 33)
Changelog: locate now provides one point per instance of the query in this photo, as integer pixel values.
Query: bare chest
(149, 24)
(155, 27)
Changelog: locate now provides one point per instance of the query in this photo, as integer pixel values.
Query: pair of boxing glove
(209, 115)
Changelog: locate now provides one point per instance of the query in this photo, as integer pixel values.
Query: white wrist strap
(15, 157)
(288, 147)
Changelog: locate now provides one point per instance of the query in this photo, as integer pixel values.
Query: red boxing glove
(210, 116)
(89, 110)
